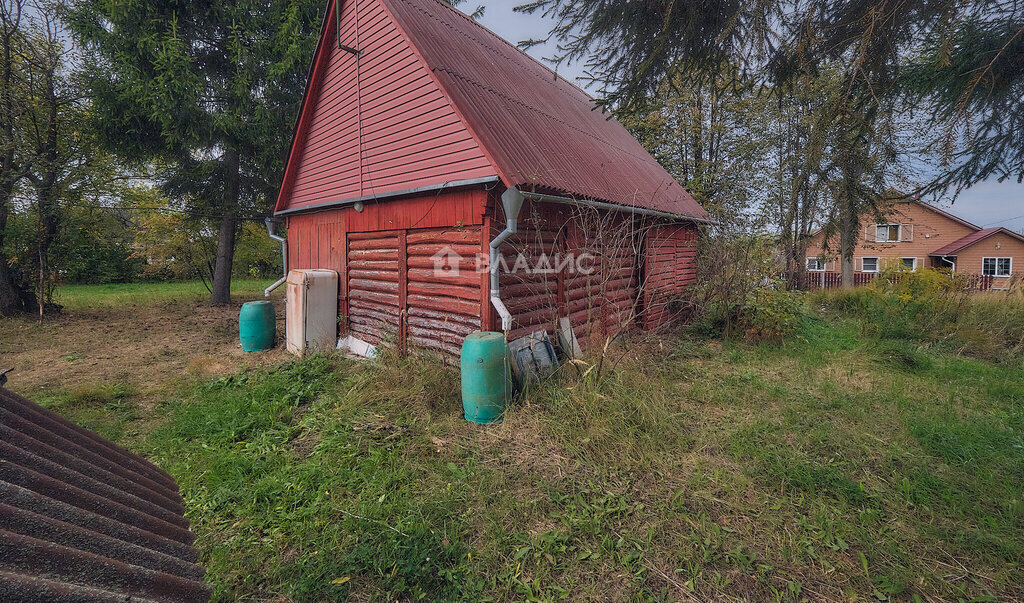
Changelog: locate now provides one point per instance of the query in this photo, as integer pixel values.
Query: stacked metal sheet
(84, 520)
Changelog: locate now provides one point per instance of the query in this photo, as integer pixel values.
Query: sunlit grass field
(75, 297)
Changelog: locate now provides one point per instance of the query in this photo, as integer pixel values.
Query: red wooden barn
(425, 139)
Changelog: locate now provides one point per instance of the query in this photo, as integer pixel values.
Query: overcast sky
(986, 204)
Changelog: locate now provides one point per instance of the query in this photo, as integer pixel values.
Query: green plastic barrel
(486, 380)
(257, 326)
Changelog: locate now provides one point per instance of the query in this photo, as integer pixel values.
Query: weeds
(931, 308)
(837, 463)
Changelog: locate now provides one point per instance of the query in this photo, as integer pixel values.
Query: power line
(1002, 221)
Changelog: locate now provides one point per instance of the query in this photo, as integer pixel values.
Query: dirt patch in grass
(149, 347)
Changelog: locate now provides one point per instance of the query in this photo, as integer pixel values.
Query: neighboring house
(920, 235)
(416, 125)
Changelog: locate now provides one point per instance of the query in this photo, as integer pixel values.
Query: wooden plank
(403, 291)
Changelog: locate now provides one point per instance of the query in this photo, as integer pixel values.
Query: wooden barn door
(376, 279)
(443, 299)
(398, 296)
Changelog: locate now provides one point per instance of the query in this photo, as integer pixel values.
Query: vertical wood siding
(376, 122)
(670, 267)
(433, 210)
(318, 241)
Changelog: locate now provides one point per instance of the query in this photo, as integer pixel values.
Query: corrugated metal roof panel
(539, 130)
(84, 520)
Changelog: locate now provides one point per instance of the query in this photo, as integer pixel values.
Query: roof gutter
(389, 195)
(512, 201)
(629, 209)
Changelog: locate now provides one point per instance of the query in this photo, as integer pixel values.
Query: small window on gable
(996, 266)
(815, 265)
(887, 233)
(869, 265)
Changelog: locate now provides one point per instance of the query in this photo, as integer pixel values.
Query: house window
(996, 266)
(887, 233)
(869, 265)
(909, 263)
(815, 265)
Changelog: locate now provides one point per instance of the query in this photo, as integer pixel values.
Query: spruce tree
(208, 91)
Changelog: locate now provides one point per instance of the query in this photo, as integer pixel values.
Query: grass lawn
(78, 297)
(831, 466)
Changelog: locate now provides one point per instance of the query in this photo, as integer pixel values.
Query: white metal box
(311, 323)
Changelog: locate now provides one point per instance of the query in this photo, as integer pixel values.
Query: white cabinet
(312, 311)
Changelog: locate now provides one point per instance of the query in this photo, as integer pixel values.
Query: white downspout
(512, 201)
(284, 257)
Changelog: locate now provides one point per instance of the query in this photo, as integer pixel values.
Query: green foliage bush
(766, 313)
(771, 314)
(935, 308)
(737, 292)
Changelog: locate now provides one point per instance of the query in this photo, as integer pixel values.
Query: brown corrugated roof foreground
(84, 520)
(537, 129)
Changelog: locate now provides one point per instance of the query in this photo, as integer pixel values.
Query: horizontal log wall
(572, 262)
(528, 289)
(670, 269)
(374, 304)
(393, 291)
(444, 298)
(385, 256)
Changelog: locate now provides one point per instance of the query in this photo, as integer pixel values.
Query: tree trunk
(226, 237)
(847, 238)
(13, 299)
(46, 196)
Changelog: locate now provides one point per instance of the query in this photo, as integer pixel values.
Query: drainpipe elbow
(284, 256)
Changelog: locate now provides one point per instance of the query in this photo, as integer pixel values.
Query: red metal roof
(82, 519)
(964, 242)
(538, 129)
(378, 123)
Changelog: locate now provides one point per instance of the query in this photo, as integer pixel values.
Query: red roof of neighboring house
(971, 239)
(538, 131)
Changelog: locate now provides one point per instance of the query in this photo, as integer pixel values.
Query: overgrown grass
(835, 464)
(77, 297)
(928, 308)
